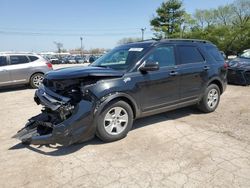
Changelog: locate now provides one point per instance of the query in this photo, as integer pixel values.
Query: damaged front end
(65, 119)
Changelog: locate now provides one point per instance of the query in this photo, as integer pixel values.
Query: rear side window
(190, 54)
(33, 58)
(3, 61)
(214, 52)
(14, 60)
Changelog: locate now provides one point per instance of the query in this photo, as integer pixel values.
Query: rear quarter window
(3, 61)
(190, 54)
(214, 52)
(33, 58)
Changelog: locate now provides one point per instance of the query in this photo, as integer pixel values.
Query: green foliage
(227, 26)
(169, 19)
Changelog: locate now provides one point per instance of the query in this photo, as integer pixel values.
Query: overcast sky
(33, 25)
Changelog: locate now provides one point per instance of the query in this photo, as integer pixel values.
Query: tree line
(226, 26)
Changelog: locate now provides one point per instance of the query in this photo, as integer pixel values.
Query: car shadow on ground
(140, 123)
(5, 89)
(239, 85)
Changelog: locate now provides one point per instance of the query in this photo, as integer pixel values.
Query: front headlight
(233, 63)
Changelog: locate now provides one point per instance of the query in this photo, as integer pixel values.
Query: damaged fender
(79, 127)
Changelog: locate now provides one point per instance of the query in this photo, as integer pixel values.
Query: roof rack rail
(187, 40)
(176, 39)
(147, 40)
(141, 41)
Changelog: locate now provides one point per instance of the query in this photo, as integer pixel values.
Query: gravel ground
(181, 148)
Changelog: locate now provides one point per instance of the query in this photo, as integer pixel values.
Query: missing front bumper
(79, 127)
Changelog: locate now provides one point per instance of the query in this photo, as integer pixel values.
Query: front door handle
(173, 73)
(206, 67)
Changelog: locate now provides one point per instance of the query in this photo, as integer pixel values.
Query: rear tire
(210, 100)
(36, 79)
(115, 121)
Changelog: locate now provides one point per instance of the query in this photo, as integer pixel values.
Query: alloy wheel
(212, 98)
(37, 80)
(116, 120)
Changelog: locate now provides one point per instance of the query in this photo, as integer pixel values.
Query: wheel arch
(119, 96)
(218, 83)
(38, 72)
(30, 79)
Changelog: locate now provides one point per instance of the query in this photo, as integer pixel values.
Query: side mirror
(149, 66)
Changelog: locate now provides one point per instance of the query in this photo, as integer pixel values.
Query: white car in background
(22, 68)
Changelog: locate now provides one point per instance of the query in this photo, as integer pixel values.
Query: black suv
(130, 82)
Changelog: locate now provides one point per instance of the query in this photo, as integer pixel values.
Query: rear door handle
(173, 73)
(206, 67)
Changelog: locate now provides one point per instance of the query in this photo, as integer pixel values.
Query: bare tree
(205, 18)
(224, 14)
(241, 8)
(59, 46)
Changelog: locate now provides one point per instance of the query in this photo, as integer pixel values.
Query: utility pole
(81, 46)
(142, 33)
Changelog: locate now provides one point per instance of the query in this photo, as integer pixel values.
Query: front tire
(115, 121)
(210, 100)
(36, 79)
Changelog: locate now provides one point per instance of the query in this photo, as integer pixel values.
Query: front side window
(190, 54)
(18, 60)
(163, 55)
(119, 58)
(3, 61)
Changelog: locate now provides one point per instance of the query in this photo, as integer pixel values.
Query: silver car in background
(23, 68)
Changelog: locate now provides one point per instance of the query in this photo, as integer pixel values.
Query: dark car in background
(130, 82)
(92, 58)
(239, 69)
(80, 59)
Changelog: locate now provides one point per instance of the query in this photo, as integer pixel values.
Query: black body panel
(81, 72)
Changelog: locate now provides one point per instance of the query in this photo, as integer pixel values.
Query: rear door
(19, 68)
(193, 71)
(4, 73)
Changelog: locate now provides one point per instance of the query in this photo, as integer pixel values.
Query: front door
(160, 88)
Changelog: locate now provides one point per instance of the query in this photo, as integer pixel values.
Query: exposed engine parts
(65, 111)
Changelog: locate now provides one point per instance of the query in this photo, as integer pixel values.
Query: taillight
(225, 65)
(49, 65)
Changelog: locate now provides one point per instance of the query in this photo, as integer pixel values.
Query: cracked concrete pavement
(181, 148)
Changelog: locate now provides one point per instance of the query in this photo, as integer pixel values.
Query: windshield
(119, 58)
(246, 54)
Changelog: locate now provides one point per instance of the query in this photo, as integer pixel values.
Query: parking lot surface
(181, 148)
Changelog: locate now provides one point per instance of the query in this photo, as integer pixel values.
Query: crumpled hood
(81, 72)
(240, 63)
